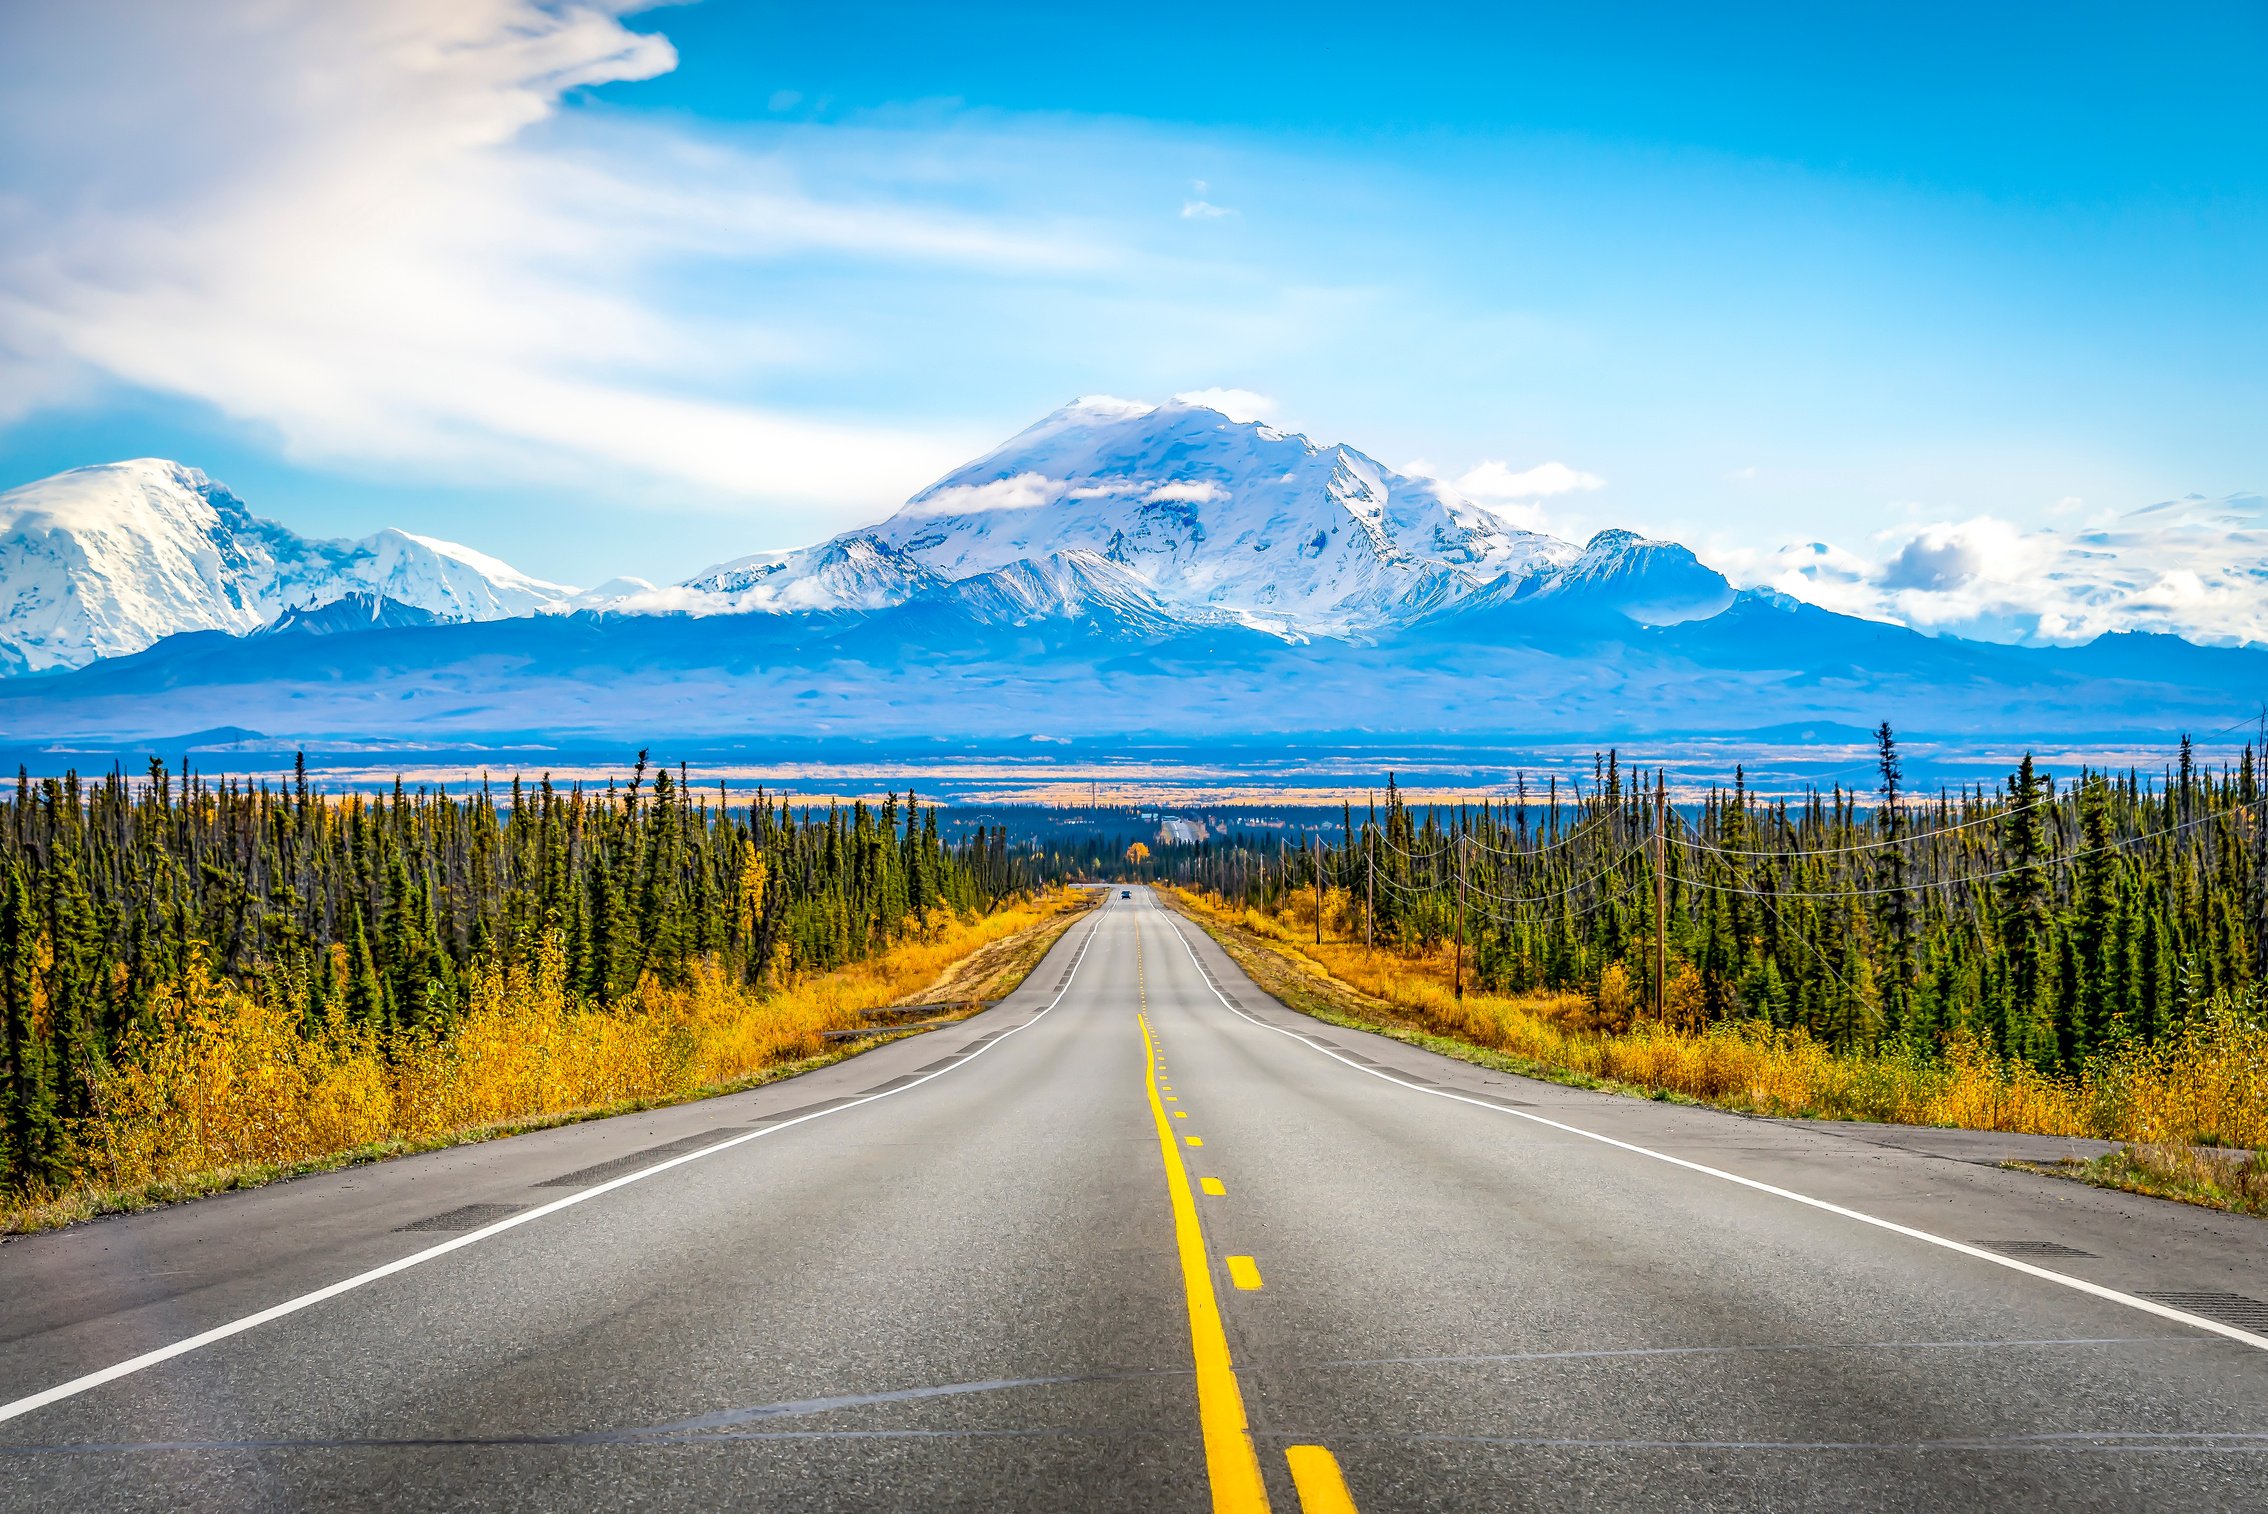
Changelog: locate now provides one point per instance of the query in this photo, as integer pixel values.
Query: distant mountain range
(1117, 570)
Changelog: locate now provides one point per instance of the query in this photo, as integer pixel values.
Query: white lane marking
(2131, 1301)
(148, 1359)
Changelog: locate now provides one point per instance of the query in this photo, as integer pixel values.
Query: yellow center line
(1322, 1487)
(1231, 1463)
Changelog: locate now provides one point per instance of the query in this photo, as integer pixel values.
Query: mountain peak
(362, 610)
(1219, 516)
(107, 559)
(1650, 581)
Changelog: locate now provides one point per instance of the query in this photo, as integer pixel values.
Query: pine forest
(132, 912)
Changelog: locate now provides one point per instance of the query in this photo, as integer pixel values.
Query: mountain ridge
(1115, 570)
(108, 559)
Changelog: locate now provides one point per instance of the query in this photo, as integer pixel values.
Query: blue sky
(607, 293)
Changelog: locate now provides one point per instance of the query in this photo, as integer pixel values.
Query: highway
(1141, 1238)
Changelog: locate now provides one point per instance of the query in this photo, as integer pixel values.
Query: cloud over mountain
(2191, 567)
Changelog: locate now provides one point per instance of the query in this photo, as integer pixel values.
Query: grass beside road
(1308, 986)
(232, 1092)
(2202, 1089)
(2236, 1181)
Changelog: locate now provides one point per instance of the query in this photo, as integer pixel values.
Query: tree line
(2050, 920)
(376, 909)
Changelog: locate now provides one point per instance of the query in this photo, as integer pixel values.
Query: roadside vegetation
(2203, 1086)
(210, 985)
(2077, 960)
(2212, 1179)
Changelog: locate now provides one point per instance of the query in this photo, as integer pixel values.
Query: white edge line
(2131, 1301)
(148, 1359)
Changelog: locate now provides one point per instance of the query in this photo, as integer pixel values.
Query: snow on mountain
(454, 582)
(1220, 516)
(858, 571)
(1110, 513)
(1068, 586)
(105, 560)
(1655, 583)
(360, 611)
(606, 595)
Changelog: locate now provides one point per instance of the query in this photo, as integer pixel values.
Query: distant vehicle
(1126, 893)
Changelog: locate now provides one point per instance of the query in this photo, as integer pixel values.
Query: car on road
(1126, 893)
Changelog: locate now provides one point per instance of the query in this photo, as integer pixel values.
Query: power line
(1868, 846)
(1610, 817)
(1611, 867)
(1868, 893)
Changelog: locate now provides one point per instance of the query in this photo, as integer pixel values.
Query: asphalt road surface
(1132, 1240)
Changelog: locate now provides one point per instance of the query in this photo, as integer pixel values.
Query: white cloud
(2192, 567)
(1494, 480)
(367, 226)
(1024, 491)
(1203, 210)
(1203, 492)
(1236, 404)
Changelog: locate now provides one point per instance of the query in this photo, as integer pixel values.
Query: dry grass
(992, 971)
(229, 1088)
(2230, 1180)
(2208, 1086)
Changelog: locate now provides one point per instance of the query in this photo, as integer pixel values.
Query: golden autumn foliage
(223, 1077)
(2207, 1083)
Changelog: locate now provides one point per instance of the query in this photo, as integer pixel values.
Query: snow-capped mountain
(106, 560)
(1108, 512)
(853, 572)
(1117, 572)
(1217, 516)
(359, 611)
(1653, 583)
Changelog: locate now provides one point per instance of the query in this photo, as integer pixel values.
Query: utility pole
(1318, 890)
(1460, 970)
(1661, 896)
(1369, 887)
(2260, 849)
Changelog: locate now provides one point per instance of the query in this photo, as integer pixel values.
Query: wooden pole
(1661, 896)
(1318, 890)
(1369, 888)
(1460, 970)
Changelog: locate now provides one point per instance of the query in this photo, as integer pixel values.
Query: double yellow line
(1232, 1464)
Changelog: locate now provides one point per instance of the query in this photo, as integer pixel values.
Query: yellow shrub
(223, 1079)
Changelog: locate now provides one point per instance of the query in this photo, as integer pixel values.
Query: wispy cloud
(1202, 492)
(1495, 480)
(422, 261)
(1198, 208)
(1236, 404)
